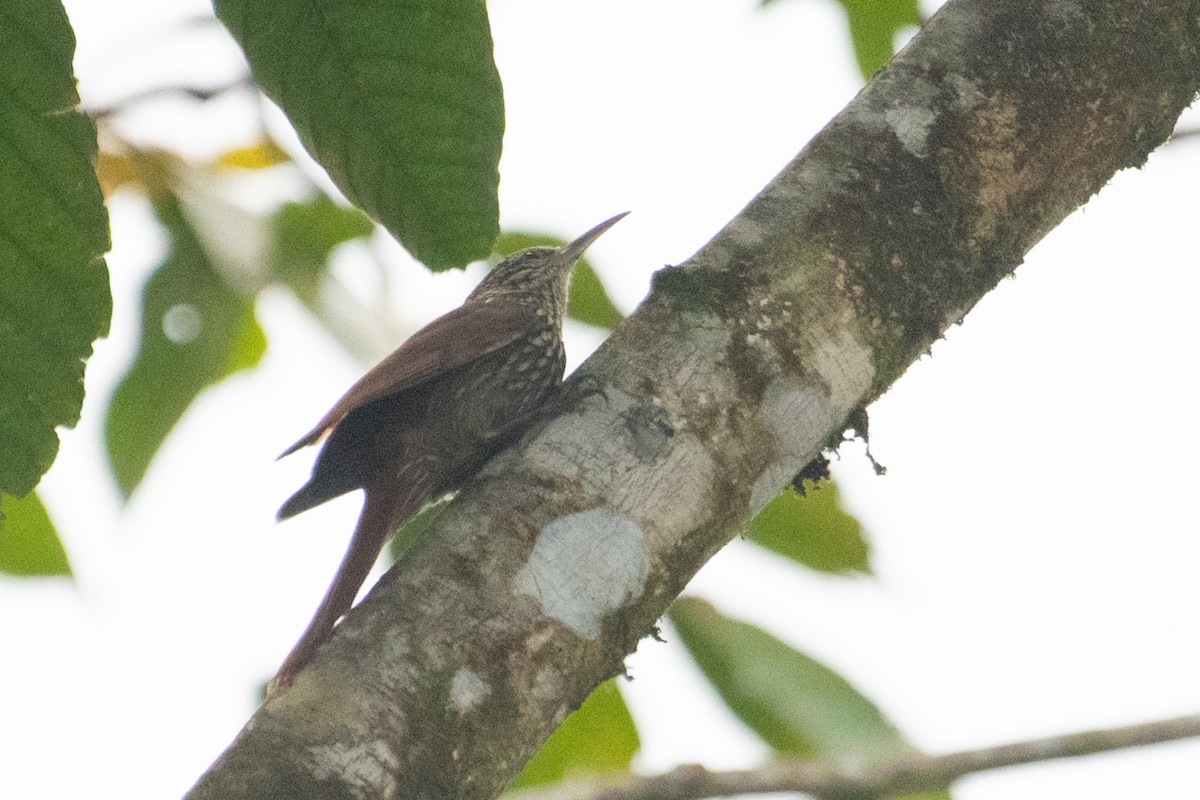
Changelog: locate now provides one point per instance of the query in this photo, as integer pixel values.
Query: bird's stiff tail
(379, 514)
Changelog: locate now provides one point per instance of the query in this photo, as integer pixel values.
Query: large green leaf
(29, 544)
(795, 704)
(305, 235)
(814, 530)
(874, 25)
(54, 296)
(414, 529)
(599, 737)
(196, 330)
(399, 100)
(588, 301)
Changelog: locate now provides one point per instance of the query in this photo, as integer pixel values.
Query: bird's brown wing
(450, 341)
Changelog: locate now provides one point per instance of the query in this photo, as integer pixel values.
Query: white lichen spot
(584, 567)
(798, 414)
(547, 686)
(911, 124)
(745, 232)
(1068, 14)
(368, 765)
(968, 95)
(467, 690)
(756, 340)
(847, 368)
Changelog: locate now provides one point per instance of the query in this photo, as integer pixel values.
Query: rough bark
(995, 122)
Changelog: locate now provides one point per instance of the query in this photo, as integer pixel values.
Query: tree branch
(993, 124)
(916, 775)
(197, 93)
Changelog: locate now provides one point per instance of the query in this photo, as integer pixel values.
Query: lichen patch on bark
(369, 765)
(467, 690)
(795, 411)
(584, 567)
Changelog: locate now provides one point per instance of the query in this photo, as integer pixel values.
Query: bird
(423, 420)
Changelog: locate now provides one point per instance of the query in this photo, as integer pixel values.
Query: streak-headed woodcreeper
(424, 420)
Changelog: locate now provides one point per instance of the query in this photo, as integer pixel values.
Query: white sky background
(1035, 538)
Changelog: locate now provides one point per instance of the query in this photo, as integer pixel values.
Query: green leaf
(54, 296)
(588, 301)
(795, 704)
(414, 528)
(813, 530)
(196, 331)
(599, 737)
(399, 101)
(29, 544)
(874, 25)
(305, 235)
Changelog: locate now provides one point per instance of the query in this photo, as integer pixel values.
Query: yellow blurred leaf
(116, 171)
(261, 155)
(152, 171)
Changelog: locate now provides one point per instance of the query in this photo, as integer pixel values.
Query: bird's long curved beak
(575, 249)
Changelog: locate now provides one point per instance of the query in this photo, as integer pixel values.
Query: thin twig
(1184, 134)
(199, 94)
(918, 774)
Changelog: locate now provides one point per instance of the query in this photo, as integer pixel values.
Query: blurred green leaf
(599, 737)
(588, 301)
(305, 235)
(795, 704)
(874, 25)
(29, 544)
(814, 530)
(414, 529)
(400, 102)
(196, 331)
(54, 296)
